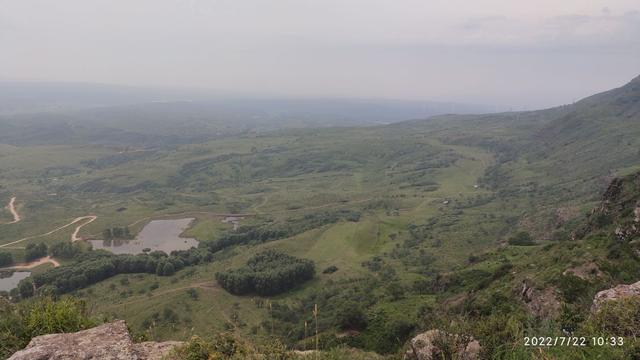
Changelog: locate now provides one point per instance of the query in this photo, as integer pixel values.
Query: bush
(573, 288)
(330, 270)
(65, 250)
(351, 317)
(193, 293)
(19, 323)
(522, 238)
(6, 259)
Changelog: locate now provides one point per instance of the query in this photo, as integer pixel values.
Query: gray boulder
(105, 342)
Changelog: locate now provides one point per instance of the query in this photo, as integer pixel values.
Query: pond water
(161, 235)
(10, 282)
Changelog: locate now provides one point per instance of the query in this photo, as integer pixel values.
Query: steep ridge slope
(601, 134)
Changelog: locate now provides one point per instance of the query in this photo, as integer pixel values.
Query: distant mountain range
(37, 97)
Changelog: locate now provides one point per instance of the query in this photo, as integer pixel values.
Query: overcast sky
(524, 54)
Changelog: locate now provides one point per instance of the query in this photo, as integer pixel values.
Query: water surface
(161, 235)
(10, 282)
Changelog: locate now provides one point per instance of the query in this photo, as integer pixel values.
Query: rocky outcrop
(541, 303)
(618, 292)
(106, 342)
(429, 346)
(620, 205)
(587, 271)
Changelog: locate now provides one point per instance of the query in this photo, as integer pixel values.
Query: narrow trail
(12, 208)
(73, 236)
(203, 285)
(32, 264)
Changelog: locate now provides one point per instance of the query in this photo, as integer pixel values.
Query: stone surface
(587, 271)
(425, 346)
(109, 342)
(540, 302)
(618, 292)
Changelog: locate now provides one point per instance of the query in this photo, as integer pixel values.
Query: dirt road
(74, 236)
(31, 265)
(12, 208)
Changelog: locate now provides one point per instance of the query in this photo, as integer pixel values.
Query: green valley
(472, 224)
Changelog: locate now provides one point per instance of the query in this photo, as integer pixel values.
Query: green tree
(168, 269)
(6, 259)
(35, 251)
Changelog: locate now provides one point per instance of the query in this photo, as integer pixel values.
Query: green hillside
(472, 224)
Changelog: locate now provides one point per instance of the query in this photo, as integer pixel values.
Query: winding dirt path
(12, 208)
(74, 236)
(35, 263)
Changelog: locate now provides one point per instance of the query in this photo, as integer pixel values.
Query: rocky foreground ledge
(616, 293)
(106, 342)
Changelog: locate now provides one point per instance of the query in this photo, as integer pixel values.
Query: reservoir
(10, 282)
(157, 235)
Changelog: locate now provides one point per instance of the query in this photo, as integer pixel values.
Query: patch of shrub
(6, 259)
(19, 323)
(522, 238)
(330, 270)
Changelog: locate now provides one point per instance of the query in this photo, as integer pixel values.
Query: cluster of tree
(95, 266)
(267, 273)
(65, 250)
(35, 251)
(271, 232)
(6, 259)
(116, 233)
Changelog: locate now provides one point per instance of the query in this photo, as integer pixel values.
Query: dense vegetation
(35, 251)
(96, 266)
(267, 273)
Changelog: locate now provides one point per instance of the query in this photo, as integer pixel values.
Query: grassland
(437, 201)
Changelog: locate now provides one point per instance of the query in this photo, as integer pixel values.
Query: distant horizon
(204, 94)
(497, 52)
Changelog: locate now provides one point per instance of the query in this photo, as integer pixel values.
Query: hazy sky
(516, 53)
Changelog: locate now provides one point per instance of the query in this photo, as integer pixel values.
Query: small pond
(157, 235)
(10, 280)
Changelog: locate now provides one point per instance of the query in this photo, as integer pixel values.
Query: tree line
(261, 234)
(95, 266)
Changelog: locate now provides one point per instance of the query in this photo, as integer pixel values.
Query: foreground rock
(618, 292)
(427, 346)
(109, 342)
